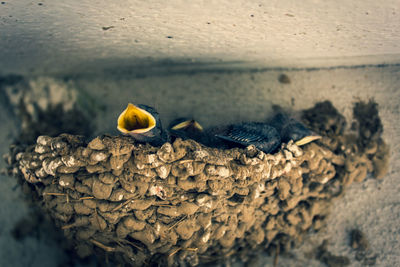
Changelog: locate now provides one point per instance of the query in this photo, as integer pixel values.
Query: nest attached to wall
(184, 203)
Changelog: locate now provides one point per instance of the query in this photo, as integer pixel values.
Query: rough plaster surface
(44, 36)
(224, 97)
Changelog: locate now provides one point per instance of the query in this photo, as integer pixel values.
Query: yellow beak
(135, 120)
(188, 123)
(307, 139)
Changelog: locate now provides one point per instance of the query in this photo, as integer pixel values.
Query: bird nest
(185, 203)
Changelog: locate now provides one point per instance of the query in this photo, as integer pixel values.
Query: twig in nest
(102, 246)
(175, 224)
(191, 249)
(122, 242)
(121, 205)
(174, 252)
(84, 198)
(65, 227)
(124, 203)
(97, 218)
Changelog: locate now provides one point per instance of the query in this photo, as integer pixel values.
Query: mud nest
(187, 204)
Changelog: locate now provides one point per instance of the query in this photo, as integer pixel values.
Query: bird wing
(241, 136)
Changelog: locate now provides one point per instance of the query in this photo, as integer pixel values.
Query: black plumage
(261, 135)
(292, 129)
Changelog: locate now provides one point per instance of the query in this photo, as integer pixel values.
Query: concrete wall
(49, 37)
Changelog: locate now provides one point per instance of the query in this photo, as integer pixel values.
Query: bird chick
(142, 123)
(191, 129)
(291, 129)
(186, 129)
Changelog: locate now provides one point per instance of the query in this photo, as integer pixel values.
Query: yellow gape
(134, 120)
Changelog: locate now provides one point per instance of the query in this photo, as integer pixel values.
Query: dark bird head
(187, 125)
(299, 133)
(142, 123)
(186, 129)
(292, 129)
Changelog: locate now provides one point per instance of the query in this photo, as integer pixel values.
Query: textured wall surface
(81, 35)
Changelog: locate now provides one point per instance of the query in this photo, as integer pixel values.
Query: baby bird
(291, 129)
(143, 124)
(186, 129)
(191, 129)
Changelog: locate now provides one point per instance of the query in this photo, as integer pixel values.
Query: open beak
(134, 120)
(186, 124)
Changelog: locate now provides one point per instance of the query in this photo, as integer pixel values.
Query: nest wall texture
(184, 203)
